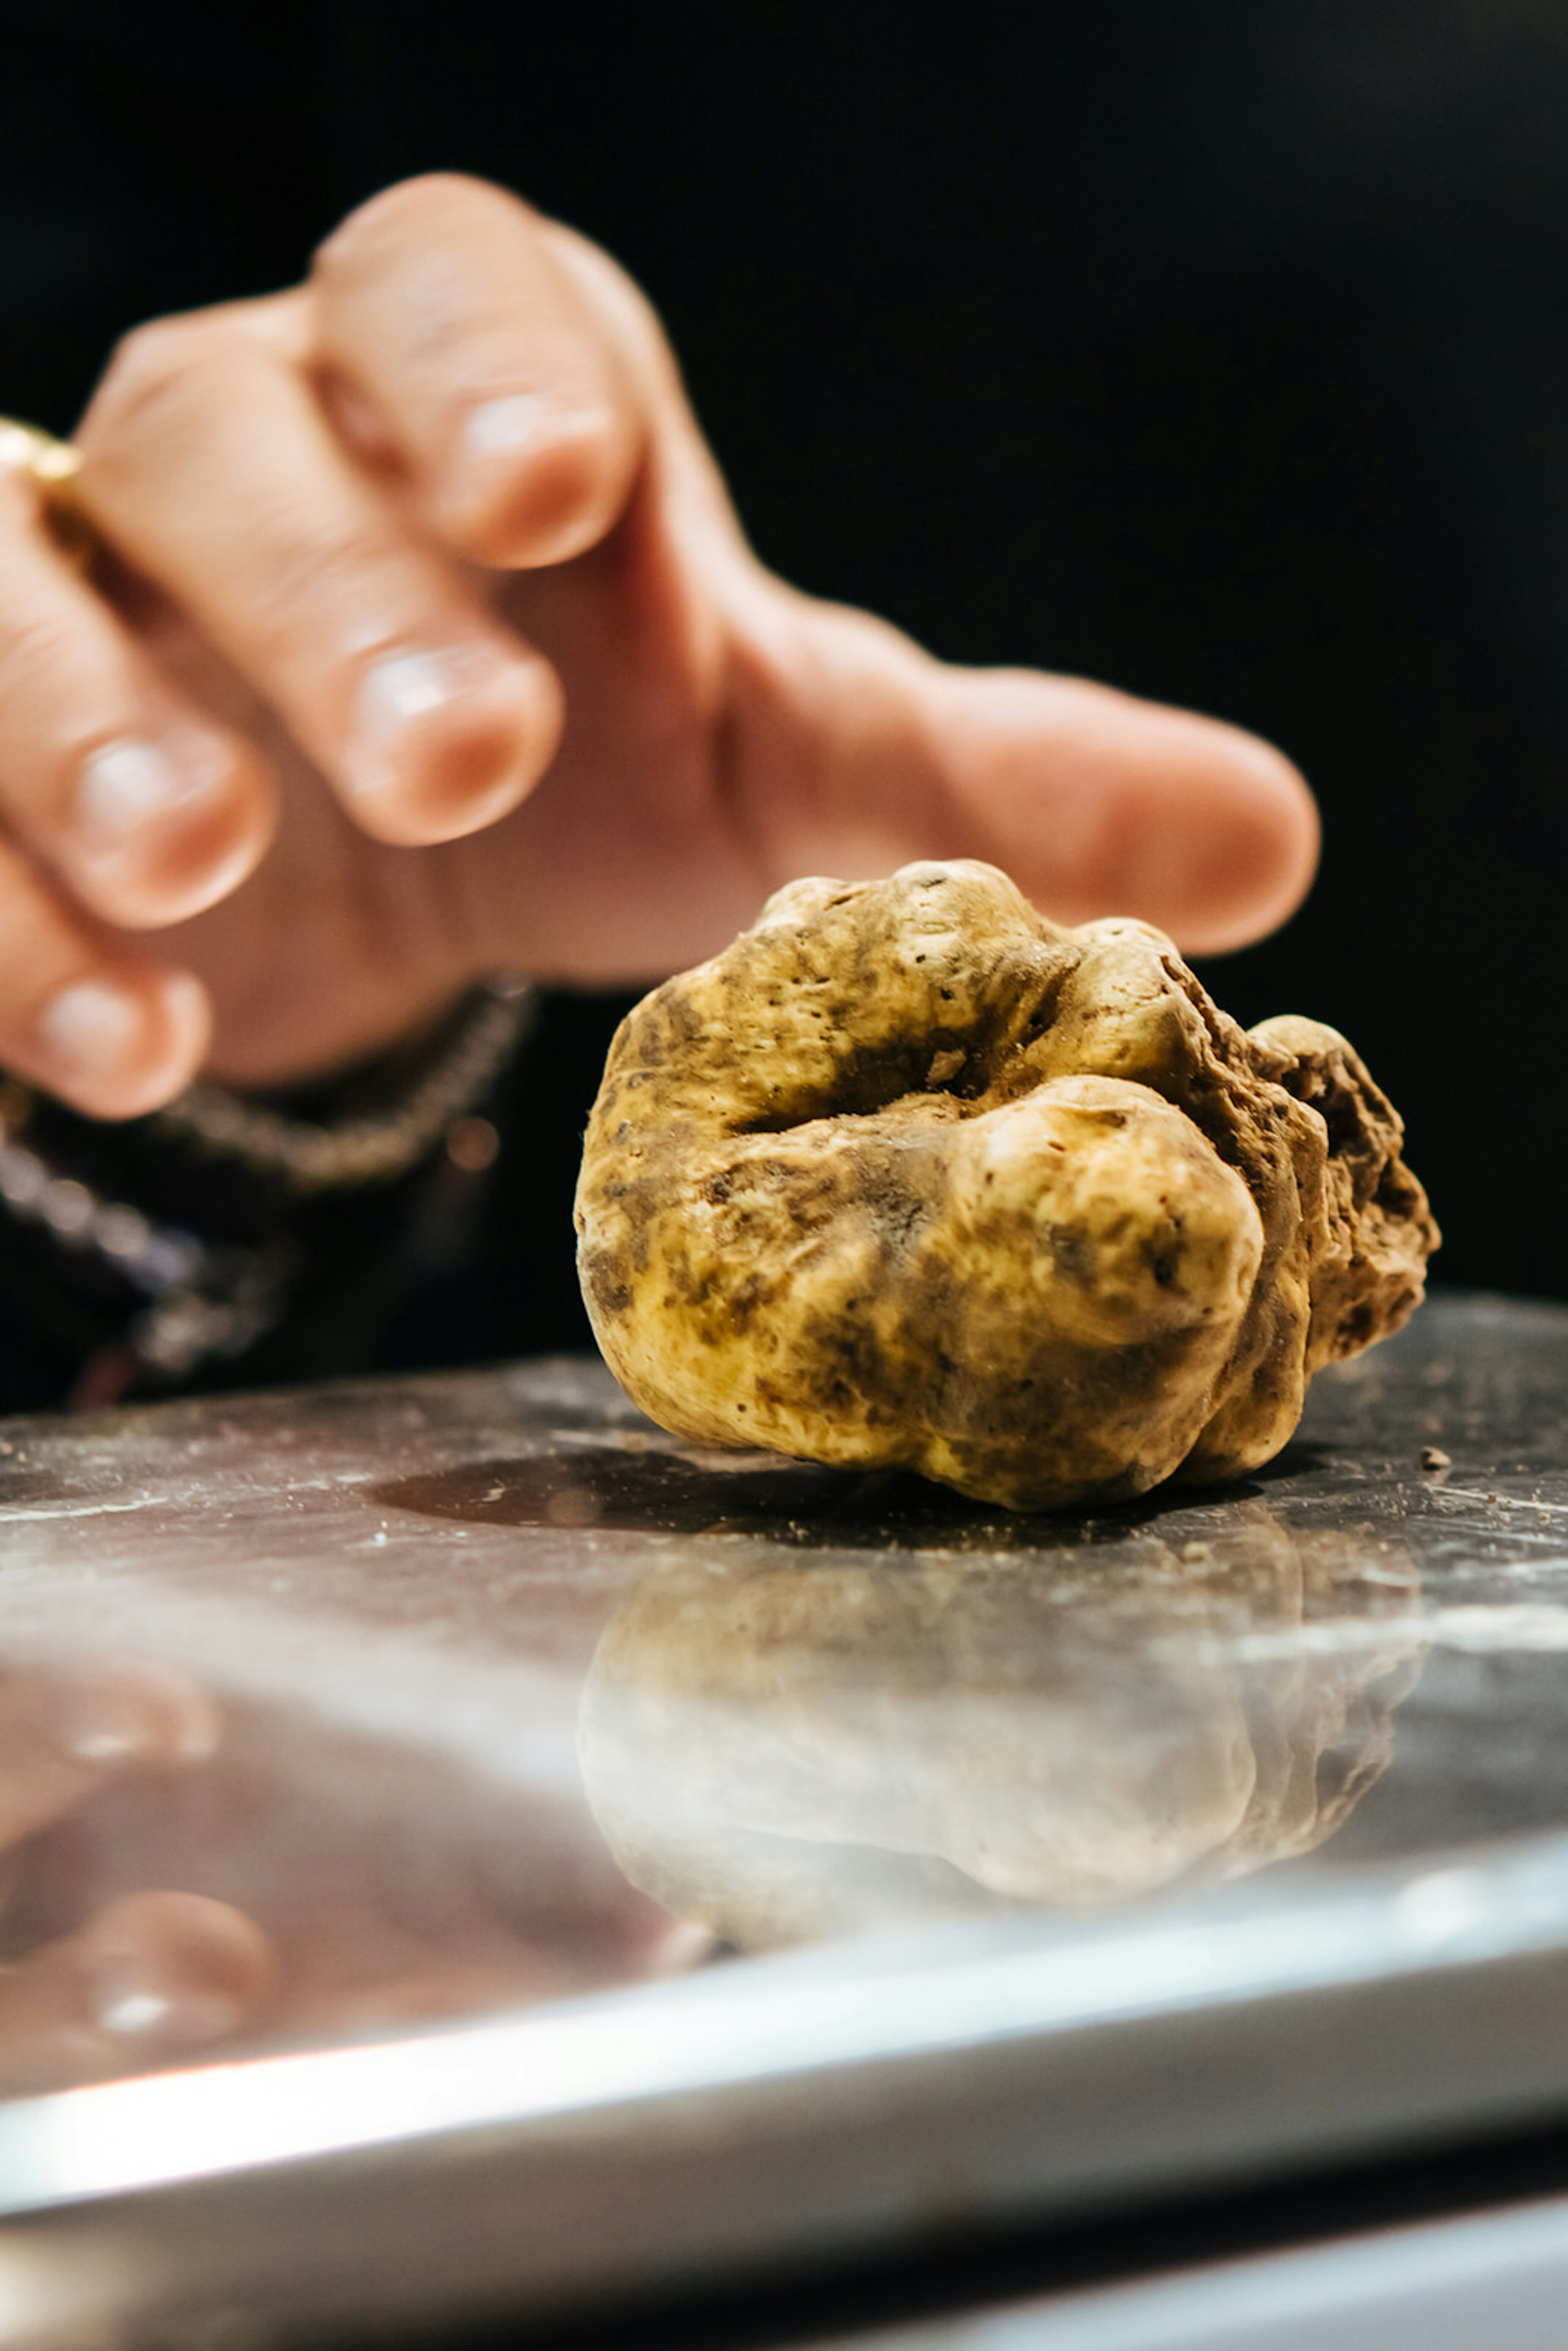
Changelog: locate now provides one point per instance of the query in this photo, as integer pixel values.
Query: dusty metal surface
(1207, 1834)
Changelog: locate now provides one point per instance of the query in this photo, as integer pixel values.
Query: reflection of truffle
(787, 1749)
(909, 1175)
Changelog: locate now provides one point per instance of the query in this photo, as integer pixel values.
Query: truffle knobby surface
(909, 1175)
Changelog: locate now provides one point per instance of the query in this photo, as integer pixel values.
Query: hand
(426, 642)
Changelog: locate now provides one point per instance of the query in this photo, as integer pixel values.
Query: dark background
(1217, 350)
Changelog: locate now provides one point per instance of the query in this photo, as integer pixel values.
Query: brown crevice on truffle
(911, 1176)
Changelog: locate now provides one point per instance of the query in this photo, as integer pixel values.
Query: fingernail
(519, 419)
(129, 785)
(502, 426)
(409, 685)
(186, 1017)
(118, 1051)
(401, 691)
(91, 1027)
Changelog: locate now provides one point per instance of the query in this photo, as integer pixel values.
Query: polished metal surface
(664, 1863)
(1487, 2282)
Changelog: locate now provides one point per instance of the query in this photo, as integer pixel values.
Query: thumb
(1096, 802)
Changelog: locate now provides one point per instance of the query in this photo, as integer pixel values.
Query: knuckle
(575, 491)
(312, 564)
(388, 220)
(154, 375)
(35, 651)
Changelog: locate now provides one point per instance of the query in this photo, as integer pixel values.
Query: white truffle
(909, 1175)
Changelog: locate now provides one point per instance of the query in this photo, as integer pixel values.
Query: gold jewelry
(52, 467)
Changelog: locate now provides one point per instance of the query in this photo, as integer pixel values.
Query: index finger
(467, 353)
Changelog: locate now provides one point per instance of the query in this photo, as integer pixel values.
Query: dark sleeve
(132, 1266)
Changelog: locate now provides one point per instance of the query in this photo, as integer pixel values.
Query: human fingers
(68, 1731)
(151, 1979)
(144, 808)
(460, 343)
(113, 1034)
(519, 379)
(1095, 801)
(210, 465)
(1101, 803)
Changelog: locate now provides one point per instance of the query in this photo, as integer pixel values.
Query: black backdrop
(1219, 350)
